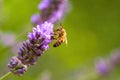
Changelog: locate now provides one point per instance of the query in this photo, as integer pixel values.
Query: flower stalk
(4, 76)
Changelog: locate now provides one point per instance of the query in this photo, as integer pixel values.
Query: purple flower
(52, 10)
(45, 30)
(44, 4)
(35, 19)
(102, 67)
(62, 9)
(16, 66)
(107, 66)
(38, 42)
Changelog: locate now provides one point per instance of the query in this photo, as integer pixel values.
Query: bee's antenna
(60, 24)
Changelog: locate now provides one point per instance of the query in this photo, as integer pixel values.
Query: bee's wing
(66, 42)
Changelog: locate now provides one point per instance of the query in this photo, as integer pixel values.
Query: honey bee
(60, 36)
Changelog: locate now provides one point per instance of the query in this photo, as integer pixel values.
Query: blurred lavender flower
(59, 11)
(35, 19)
(51, 11)
(16, 66)
(106, 66)
(7, 39)
(115, 58)
(102, 67)
(44, 4)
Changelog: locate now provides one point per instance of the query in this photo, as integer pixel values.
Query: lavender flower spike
(52, 11)
(102, 67)
(16, 66)
(62, 8)
(38, 42)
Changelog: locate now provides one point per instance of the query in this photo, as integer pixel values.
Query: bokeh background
(93, 31)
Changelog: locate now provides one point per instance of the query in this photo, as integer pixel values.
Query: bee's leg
(53, 38)
(55, 33)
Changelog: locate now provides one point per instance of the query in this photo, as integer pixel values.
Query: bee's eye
(58, 29)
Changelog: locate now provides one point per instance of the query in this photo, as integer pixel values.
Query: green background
(93, 31)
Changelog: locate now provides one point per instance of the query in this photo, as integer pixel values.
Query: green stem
(1, 78)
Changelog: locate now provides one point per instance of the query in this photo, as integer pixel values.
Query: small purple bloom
(16, 66)
(44, 30)
(44, 47)
(102, 67)
(35, 19)
(44, 4)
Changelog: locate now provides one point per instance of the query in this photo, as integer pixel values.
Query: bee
(60, 36)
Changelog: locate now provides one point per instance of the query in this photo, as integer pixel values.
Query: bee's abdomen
(57, 43)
